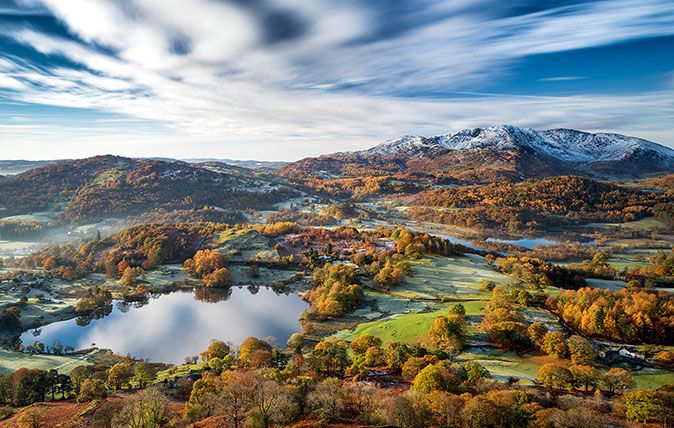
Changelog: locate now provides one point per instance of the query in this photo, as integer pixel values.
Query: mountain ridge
(506, 150)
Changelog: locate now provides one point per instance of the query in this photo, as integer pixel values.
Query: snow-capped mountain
(499, 151)
(566, 144)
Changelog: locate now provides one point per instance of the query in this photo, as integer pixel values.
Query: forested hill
(104, 186)
(535, 204)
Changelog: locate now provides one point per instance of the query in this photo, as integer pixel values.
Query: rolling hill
(108, 186)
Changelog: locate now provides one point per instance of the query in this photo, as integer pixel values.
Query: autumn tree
(446, 407)
(619, 315)
(91, 389)
(147, 409)
(120, 374)
(216, 349)
(508, 335)
(537, 331)
(363, 342)
(447, 332)
(397, 354)
(269, 401)
(396, 410)
(335, 291)
(143, 374)
(475, 372)
(581, 350)
(480, 412)
(328, 400)
(554, 343)
(414, 365)
(79, 374)
(554, 376)
(210, 266)
(131, 275)
(641, 405)
(585, 376)
(430, 378)
(233, 401)
(457, 309)
(250, 346)
(330, 356)
(617, 380)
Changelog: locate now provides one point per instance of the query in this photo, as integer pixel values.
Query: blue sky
(284, 79)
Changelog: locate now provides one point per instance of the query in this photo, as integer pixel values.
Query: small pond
(529, 243)
(173, 326)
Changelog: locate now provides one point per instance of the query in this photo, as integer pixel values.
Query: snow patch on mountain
(565, 144)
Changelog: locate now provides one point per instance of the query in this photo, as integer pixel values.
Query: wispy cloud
(321, 71)
(562, 79)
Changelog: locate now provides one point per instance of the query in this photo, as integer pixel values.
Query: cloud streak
(278, 74)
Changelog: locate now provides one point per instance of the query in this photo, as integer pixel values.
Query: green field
(11, 361)
(652, 379)
(634, 258)
(648, 223)
(456, 278)
(503, 365)
(606, 284)
(411, 327)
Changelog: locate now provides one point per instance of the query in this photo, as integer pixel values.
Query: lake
(529, 243)
(173, 326)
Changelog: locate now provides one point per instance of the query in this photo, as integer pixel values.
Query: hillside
(485, 154)
(534, 204)
(105, 186)
(664, 183)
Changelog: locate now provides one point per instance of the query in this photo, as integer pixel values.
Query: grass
(408, 328)
(648, 223)
(503, 365)
(178, 371)
(606, 284)
(652, 379)
(265, 276)
(446, 277)
(634, 258)
(11, 361)
(242, 239)
(245, 244)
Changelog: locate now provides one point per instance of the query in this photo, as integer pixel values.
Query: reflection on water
(171, 327)
(529, 243)
(457, 241)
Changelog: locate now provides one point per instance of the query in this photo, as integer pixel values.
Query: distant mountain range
(485, 154)
(11, 167)
(109, 186)
(251, 164)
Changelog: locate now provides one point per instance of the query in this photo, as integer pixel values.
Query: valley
(108, 261)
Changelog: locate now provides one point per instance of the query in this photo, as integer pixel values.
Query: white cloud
(229, 86)
(562, 79)
(8, 82)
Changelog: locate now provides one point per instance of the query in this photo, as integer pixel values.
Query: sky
(285, 79)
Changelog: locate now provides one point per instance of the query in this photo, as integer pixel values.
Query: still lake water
(173, 326)
(529, 243)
